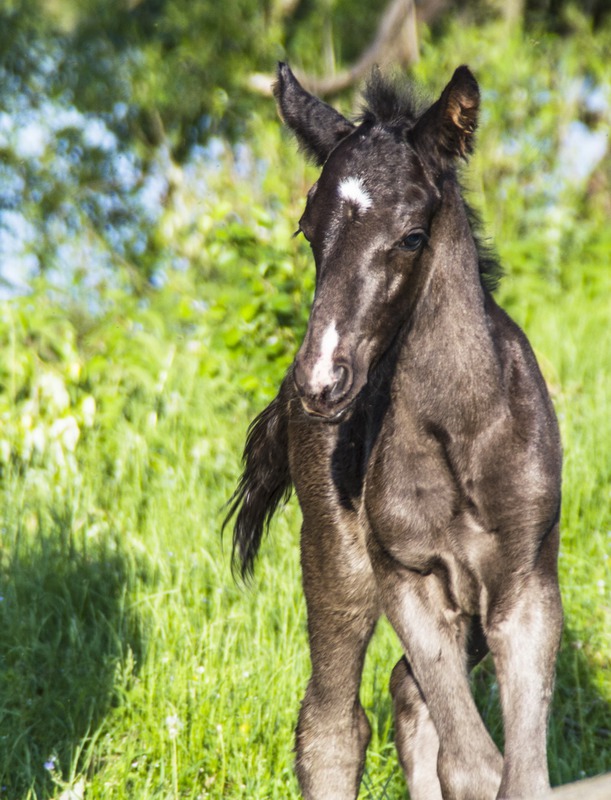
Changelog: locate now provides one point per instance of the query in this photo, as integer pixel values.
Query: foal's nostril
(343, 381)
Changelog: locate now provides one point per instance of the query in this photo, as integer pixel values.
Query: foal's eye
(413, 240)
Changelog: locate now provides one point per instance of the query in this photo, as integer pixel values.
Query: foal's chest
(415, 508)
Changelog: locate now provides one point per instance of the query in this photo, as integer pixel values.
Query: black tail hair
(264, 484)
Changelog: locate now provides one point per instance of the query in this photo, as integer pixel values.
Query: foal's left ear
(446, 129)
(317, 126)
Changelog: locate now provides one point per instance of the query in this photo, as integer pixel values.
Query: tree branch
(395, 41)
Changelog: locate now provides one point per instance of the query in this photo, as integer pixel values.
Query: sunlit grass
(130, 658)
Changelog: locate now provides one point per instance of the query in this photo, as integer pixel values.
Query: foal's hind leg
(415, 735)
(333, 731)
(468, 765)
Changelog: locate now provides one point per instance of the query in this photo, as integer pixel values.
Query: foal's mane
(391, 100)
(490, 267)
(395, 102)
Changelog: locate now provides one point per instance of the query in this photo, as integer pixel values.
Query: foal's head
(368, 219)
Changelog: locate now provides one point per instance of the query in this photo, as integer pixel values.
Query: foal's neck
(453, 286)
(448, 361)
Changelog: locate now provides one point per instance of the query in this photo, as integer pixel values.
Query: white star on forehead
(353, 190)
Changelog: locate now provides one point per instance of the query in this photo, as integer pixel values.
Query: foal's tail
(264, 484)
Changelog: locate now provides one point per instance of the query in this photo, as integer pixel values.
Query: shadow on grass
(66, 636)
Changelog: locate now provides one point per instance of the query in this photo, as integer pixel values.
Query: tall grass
(131, 658)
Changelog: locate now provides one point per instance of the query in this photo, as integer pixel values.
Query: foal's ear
(317, 126)
(446, 130)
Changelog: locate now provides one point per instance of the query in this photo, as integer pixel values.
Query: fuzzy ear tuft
(317, 126)
(445, 132)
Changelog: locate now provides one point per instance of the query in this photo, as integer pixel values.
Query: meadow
(132, 665)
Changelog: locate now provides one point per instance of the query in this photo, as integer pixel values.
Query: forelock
(390, 100)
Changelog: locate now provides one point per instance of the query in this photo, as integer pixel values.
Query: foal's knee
(331, 742)
(322, 717)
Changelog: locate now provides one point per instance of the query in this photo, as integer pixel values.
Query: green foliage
(343, 33)
(179, 68)
(156, 47)
(102, 104)
(129, 661)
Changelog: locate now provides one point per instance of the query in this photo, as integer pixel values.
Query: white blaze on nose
(353, 190)
(323, 372)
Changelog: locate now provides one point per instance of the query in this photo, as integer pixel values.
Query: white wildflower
(65, 430)
(74, 370)
(74, 792)
(88, 409)
(174, 725)
(52, 391)
(5, 451)
(200, 450)
(34, 440)
(57, 456)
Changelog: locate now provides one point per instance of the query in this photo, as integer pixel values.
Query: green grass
(130, 657)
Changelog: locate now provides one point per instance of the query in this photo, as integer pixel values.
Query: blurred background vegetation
(151, 298)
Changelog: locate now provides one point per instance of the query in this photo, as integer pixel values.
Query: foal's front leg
(523, 631)
(333, 730)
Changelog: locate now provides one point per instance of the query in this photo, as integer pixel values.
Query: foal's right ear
(317, 126)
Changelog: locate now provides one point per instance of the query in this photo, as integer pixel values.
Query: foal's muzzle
(328, 400)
